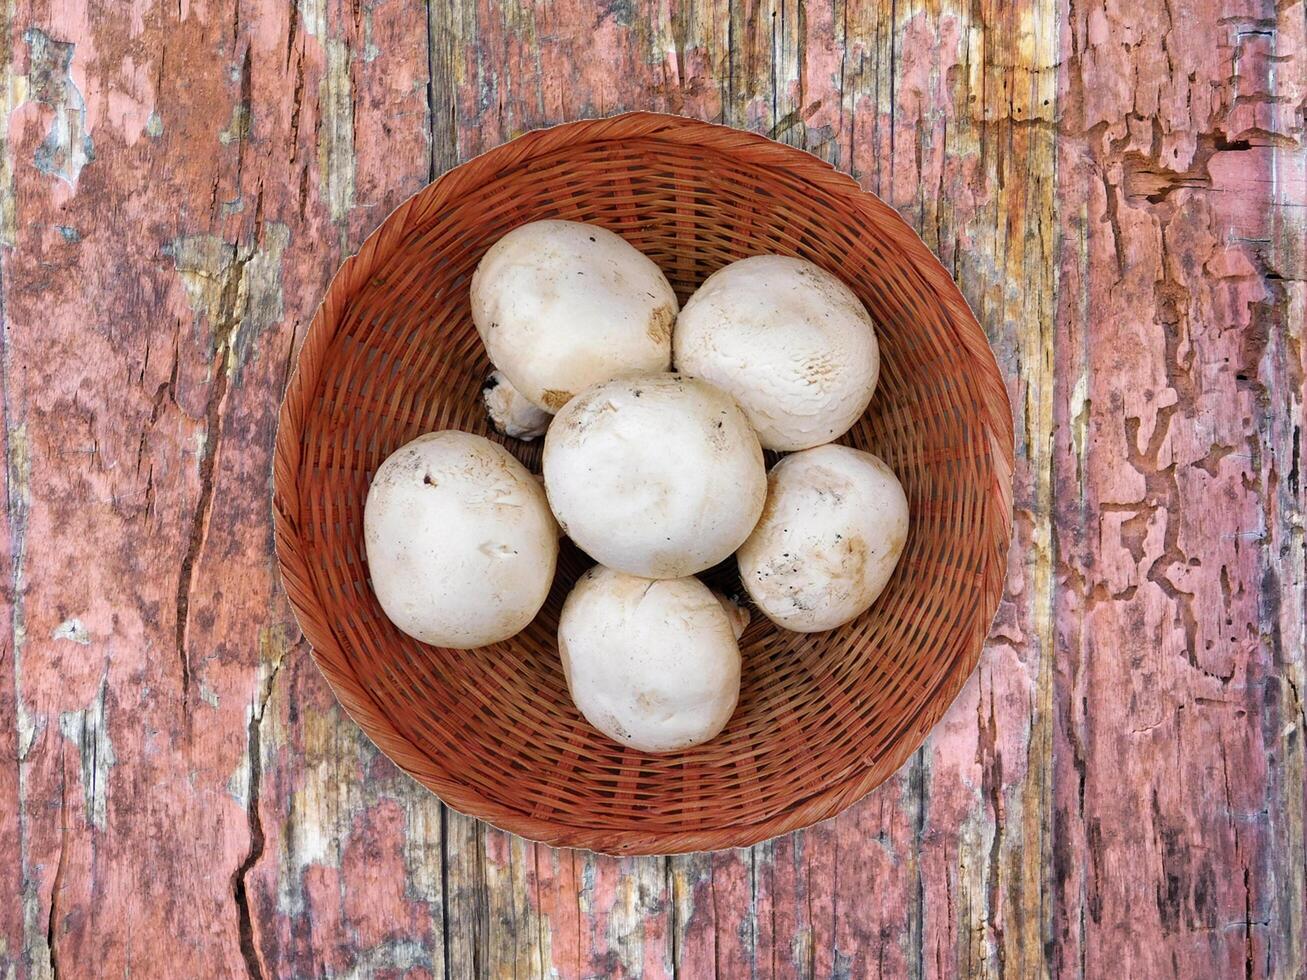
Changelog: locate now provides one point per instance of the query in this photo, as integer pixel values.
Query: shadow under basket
(823, 718)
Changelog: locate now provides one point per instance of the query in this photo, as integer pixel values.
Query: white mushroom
(562, 305)
(460, 543)
(652, 664)
(833, 529)
(792, 344)
(656, 475)
(509, 412)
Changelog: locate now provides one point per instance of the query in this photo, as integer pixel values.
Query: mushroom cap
(460, 542)
(833, 529)
(657, 475)
(652, 664)
(793, 345)
(562, 305)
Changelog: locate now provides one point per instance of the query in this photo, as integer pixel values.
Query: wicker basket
(823, 718)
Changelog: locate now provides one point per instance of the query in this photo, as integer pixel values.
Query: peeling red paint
(1119, 790)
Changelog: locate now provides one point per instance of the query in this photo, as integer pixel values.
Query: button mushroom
(792, 344)
(562, 305)
(657, 475)
(460, 542)
(833, 529)
(652, 664)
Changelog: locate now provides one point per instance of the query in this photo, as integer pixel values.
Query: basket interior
(819, 715)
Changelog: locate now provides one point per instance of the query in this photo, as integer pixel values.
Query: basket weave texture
(822, 718)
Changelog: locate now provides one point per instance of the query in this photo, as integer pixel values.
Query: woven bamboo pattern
(823, 718)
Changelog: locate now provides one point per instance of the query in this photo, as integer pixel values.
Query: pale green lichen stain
(88, 729)
(13, 92)
(238, 128)
(312, 16)
(74, 630)
(67, 148)
(20, 477)
(336, 137)
(370, 49)
(236, 289)
(203, 262)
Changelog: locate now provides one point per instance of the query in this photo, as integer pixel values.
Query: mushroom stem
(511, 414)
(735, 612)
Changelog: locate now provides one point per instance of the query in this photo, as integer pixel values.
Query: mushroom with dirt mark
(793, 345)
(510, 413)
(562, 305)
(830, 536)
(460, 543)
(651, 663)
(657, 475)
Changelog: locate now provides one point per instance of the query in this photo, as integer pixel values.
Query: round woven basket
(822, 718)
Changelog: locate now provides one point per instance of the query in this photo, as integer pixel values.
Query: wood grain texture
(1120, 191)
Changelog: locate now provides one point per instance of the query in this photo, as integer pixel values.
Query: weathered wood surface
(1119, 188)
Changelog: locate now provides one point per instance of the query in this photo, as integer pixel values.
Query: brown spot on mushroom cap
(587, 410)
(852, 564)
(555, 399)
(820, 369)
(660, 324)
(647, 701)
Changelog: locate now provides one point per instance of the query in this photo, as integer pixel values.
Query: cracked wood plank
(1180, 610)
(185, 177)
(1120, 788)
(956, 844)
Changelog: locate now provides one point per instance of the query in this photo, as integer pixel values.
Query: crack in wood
(991, 762)
(227, 323)
(254, 763)
(52, 922)
(445, 897)
(239, 882)
(917, 920)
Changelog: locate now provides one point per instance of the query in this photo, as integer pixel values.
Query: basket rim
(307, 377)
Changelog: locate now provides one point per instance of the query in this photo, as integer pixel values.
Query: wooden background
(1120, 188)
